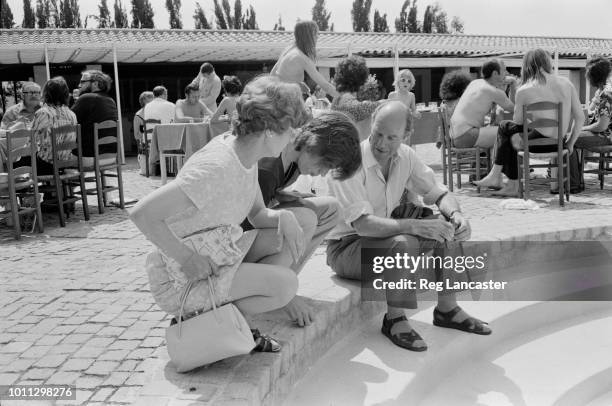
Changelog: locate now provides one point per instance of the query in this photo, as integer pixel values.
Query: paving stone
(111, 331)
(75, 338)
(8, 378)
(39, 373)
(141, 353)
(15, 346)
(102, 394)
(100, 342)
(102, 367)
(51, 361)
(129, 365)
(152, 342)
(19, 365)
(114, 355)
(125, 394)
(89, 328)
(116, 378)
(63, 378)
(36, 351)
(89, 382)
(77, 364)
(49, 339)
(89, 352)
(125, 345)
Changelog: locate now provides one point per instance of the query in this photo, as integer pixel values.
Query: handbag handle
(211, 290)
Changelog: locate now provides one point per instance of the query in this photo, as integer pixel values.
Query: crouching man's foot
(299, 312)
(265, 343)
(400, 333)
(458, 319)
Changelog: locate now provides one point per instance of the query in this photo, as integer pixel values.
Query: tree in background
(320, 15)
(227, 12)
(174, 10)
(237, 15)
(456, 25)
(121, 17)
(6, 15)
(221, 24)
(70, 16)
(104, 18)
(279, 24)
(401, 22)
(332, 27)
(142, 14)
(42, 14)
(29, 18)
(440, 20)
(199, 18)
(380, 22)
(360, 14)
(413, 24)
(249, 20)
(428, 19)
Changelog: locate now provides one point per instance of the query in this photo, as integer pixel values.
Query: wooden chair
(64, 171)
(149, 125)
(603, 158)
(22, 181)
(163, 154)
(461, 161)
(561, 154)
(104, 162)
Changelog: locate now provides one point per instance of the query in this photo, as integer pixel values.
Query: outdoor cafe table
(189, 137)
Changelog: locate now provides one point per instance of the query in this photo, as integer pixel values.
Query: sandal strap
(391, 322)
(447, 315)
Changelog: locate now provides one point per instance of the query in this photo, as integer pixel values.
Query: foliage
(104, 18)
(201, 23)
(360, 14)
(29, 18)
(380, 22)
(279, 24)
(121, 17)
(6, 15)
(142, 14)
(174, 11)
(369, 90)
(320, 15)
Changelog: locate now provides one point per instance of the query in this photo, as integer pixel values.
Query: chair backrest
(106, 140)
(445, 126)
(20, 143)
(530, 122)
(60, 142)
(149, 125)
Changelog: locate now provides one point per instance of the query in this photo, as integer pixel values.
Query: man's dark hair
(56, 92)
(192, 87)
(490, 66)
(206, 68)
(231, 85)
(103, 81)
(597, 70)
(159, 91)
(351, 74)
(454, 84)
(333, 137)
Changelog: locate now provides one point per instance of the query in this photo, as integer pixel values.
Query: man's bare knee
(404, 243)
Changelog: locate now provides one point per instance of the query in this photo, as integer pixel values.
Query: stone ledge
(266, 379)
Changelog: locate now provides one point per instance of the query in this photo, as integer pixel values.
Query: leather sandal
(404, 340)
(265, 343)
(470, 325)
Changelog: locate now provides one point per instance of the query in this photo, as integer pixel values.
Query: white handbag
(208, 337)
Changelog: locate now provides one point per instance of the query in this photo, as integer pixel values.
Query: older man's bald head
(391, 116)
(30, 87)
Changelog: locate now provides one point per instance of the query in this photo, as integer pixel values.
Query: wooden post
(395, 62)
(556, 61)
(47, 62)
(120, 129)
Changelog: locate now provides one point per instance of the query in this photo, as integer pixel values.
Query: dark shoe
(404, 340)
(471, 324)
(265, 343)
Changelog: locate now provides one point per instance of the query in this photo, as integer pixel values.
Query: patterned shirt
(357, 110)
(46, 118)
(603, 108)
(16, 113)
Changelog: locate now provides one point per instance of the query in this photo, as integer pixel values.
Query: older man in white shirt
(375, 218)
(160, 108)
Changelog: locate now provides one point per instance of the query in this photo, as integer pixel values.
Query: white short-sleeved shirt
(223, 192)
(159, 109)
(367, 192)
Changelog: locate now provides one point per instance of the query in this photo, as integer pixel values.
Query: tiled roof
(149, 45)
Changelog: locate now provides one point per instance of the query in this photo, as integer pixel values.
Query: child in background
(232, 87)
(403, 86)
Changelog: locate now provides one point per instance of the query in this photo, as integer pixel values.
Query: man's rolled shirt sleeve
(422, 180)
(352, 196)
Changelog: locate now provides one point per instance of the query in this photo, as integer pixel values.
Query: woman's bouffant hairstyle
(597, 70)
(56, 92)
(454, 84)
(231, 85)
(305, 33)
(535, 62)
(145, 97)
(269, 104)
(351, 74)
(333, 137)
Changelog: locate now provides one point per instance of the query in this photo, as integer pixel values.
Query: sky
(568, 18)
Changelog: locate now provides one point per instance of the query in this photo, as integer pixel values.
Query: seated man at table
(190, 108)
(160, 108)
(375, 218)
(23, 112)
(330, 142)
(94, 105)
(467, 122)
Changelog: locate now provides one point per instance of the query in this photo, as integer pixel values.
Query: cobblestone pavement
(75, 306)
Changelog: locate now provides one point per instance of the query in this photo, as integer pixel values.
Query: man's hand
(517, 142)
(299, 312)
(291, 231)
(463, 230)
(436, 229)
